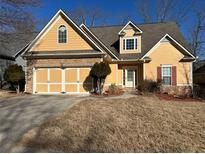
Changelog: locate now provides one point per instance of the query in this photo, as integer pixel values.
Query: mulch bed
(175, 98)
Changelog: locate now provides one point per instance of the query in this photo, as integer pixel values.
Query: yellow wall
(130, 33)
(116, 75)
(112, 78)
(168, 54)
(49, 41)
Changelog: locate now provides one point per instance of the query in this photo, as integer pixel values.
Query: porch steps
(130, 90)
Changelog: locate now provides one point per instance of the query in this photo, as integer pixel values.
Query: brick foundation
(182, 91)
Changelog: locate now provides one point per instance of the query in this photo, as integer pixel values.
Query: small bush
(149, 86)
(198, 91)
(114, 90)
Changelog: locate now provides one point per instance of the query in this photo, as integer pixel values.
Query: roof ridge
(105, 26)
(101, 26)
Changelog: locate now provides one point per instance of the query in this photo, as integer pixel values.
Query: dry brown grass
(138, 124)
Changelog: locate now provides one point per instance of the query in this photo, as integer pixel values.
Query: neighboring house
(199, 73)
(61, 55)
(10, 43)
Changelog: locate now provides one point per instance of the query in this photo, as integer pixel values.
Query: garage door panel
(42, 76)
(70, 75)
(41, 88)
(55, 88)
(71, 88)
(55, 75)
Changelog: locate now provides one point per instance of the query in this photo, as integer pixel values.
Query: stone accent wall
(39, 63)
(181, 91)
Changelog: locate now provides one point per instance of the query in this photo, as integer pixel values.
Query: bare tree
(165, 10)
(124, 18)
(144, 10)
(14, 15)
(95, 14)
(86, 16)
(197, 33)
(79, 15)
(15, 18)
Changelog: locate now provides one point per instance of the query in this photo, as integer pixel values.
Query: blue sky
(112, 8)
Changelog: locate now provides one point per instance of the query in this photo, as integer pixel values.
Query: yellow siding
(49, 41)
(120, 74)
(168, 54)
(130, 33)
(112, 78)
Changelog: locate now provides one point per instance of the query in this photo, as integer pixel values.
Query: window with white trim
(62, 34)
(130, 43)
(166, 74)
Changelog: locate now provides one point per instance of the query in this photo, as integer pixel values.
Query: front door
(130, 78)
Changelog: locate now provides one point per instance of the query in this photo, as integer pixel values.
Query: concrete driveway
(20, 114)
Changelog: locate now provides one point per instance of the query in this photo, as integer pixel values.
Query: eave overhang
(63, 55)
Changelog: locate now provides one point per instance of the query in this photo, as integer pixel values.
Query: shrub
(114, 90)
(149, 86)
(198, 91)
(99, 72)
(15, 75)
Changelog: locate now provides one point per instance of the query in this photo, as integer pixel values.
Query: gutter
(7, 57)
(67, 55)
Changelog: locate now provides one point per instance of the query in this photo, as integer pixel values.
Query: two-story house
(60, 57)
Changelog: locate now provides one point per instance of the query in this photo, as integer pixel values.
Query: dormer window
(62, 34)
(130, 43)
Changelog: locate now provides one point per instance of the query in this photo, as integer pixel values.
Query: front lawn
(137, 124)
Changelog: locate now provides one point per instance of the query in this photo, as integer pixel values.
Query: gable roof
(167, 37)
(78, 29)
(132, 24)
(152, 34)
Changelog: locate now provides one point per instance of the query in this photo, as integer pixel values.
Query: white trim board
(51, 22)
(82, 25)
(130, 22)
(158, 43)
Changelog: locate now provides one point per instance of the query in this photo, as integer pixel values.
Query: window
(129, 43)
(166, 74)
(62, 34)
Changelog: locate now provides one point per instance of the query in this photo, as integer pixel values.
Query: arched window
(62, 34)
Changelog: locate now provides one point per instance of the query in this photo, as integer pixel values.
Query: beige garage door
(56, 80)
(48, 80)
(77, 80)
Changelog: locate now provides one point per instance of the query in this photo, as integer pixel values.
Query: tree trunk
(18, 89)
(98, 86)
